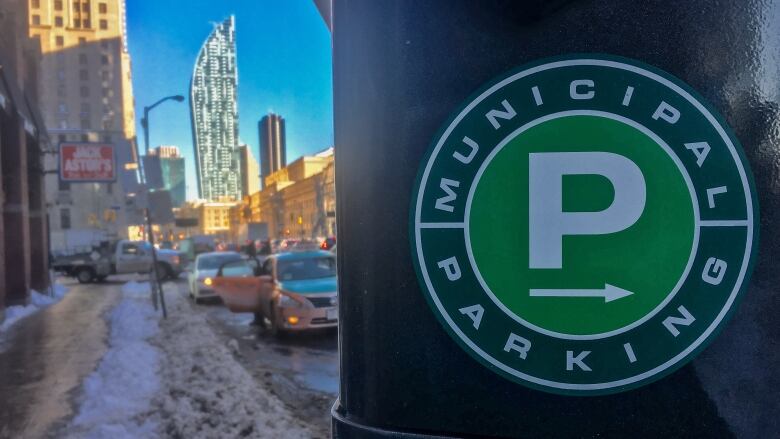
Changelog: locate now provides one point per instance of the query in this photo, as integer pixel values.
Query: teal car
(303, 291)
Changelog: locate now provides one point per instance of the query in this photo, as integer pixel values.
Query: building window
(102, 8)
(63, 185)
(82, 58)
(36, 20)
(76, 23)
(62, 108)
(104, 59)
(60, 40)
(36, 4)
(84, 91)
(76, 6)
(108, 124)
(85, 109)
(104, 75)
(105, 44)
(57, 5)
(85, 124)
(61, 75)
(58, 21)
(104, 24)
(87, 24)
(65, 219)
(83, 75)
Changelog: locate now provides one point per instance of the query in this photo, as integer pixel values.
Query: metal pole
(150, 233)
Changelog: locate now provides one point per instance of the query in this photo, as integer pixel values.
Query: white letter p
(548, 223)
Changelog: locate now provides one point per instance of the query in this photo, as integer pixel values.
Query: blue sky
(284, 66)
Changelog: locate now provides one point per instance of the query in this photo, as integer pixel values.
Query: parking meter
(557, 219)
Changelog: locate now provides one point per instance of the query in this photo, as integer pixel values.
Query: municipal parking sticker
(584, 225)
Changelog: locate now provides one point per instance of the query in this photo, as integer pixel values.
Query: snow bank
(207, 393)
(117, 400)
(38, 302)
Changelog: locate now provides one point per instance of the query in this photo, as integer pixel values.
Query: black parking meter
(557, 219)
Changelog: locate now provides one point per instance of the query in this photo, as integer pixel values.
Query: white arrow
(609, 293)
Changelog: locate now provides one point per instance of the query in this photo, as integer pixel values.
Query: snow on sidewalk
(38, 302)
(117, 398)
(173, 378)
(208, 394)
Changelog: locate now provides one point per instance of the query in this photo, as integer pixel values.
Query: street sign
(161, 207)
(87, 162)
(584, 225)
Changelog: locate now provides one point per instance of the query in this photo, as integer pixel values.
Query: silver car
(204, 270)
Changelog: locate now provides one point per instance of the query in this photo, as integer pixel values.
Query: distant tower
(173, 173)
(273, 145)
(214, 109)
(250, 171)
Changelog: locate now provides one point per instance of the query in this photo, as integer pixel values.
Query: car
(204, 270)
(291, 291)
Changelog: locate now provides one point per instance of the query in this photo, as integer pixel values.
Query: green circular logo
(584, 225)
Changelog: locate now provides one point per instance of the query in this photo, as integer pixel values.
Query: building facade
(214, 112)
(173, 172)
(298, 201)
(273, 145)
(24, 142)
(250, 171)
(85, 88)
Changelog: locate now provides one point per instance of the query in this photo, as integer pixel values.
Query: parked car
(204, 271)
(118, 257)
(292, 291)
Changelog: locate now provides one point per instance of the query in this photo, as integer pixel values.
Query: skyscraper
(273, 145)
(250, 171)
(86, 95)
(214, 111)
(173, 173)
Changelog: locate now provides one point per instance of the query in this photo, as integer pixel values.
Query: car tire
(85, 275)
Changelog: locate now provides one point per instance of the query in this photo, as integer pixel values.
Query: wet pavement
(45, 357)
(301, 369)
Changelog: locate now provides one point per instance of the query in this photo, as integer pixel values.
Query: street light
(145, 119)
(150, 232)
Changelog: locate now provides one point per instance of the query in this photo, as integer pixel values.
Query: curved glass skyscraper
(214, 109)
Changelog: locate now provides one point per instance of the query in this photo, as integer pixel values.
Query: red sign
(87, 162)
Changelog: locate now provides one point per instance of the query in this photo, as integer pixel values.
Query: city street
(102, 361)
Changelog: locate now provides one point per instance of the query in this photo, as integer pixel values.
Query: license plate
(333, 314)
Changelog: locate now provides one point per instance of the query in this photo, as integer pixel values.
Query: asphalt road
(301, 369)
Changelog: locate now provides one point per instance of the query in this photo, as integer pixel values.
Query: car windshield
(216, 261)
(308, 268)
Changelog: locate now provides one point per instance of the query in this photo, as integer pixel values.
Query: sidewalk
(45, 357)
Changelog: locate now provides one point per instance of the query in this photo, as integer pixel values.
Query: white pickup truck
(118, 257)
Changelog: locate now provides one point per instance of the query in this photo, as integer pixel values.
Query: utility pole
(147, 213)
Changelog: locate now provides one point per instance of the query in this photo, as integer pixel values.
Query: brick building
(23, 142)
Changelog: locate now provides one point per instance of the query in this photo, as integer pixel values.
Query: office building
(273, 145)
(86, 95)
(173, 172)
(250, 171)
(214, 112)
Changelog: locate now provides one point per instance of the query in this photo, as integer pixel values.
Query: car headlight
(207, 282)
(288, 302)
